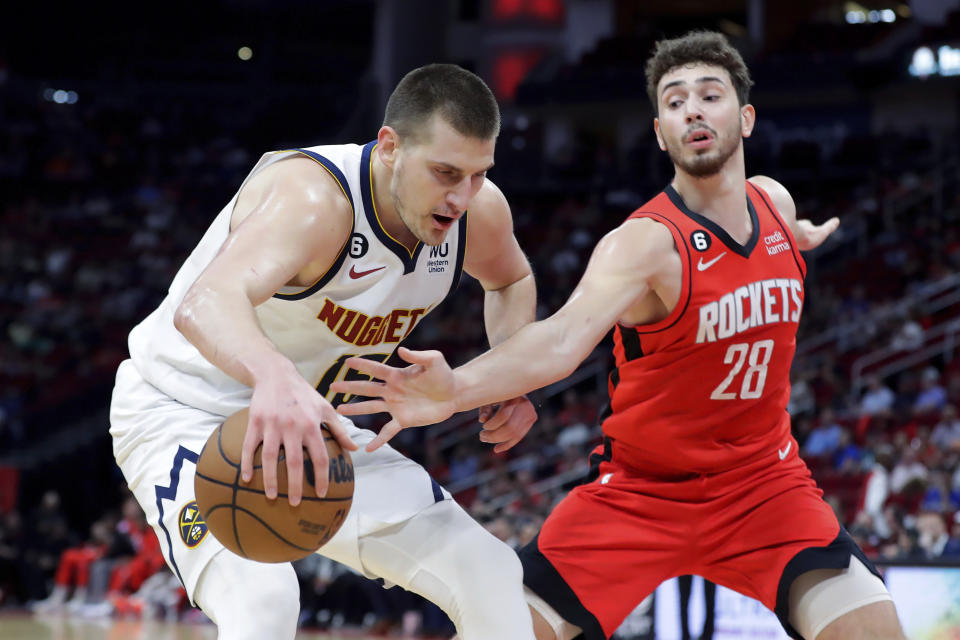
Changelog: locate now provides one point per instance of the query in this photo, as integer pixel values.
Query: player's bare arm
(289, 223)
(495, 259)
(808, 235)
(629, 264)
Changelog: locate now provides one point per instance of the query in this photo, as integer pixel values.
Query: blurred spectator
(932, 396)
(946, 434)
(48, 534)
(909, 337)
(908, 475)
(825, 438)
(464, 463)
(952, 548)
(932, 534)
(847, 456)
(878, 399)
(73, 571)
(802, 401)
(15, 581)
(878, 489)
(905, 548)
(939, 497)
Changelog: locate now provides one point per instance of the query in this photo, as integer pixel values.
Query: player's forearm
(538, 354)
(508, 309)
(224, 328)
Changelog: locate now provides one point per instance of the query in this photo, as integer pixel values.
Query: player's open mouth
(699, 139)
(443, 221)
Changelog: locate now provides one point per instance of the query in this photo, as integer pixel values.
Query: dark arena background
(125, 128)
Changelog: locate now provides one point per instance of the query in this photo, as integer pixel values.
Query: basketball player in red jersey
(698, 472)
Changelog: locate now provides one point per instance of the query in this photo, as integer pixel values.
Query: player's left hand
(509, 424)
(811, 236)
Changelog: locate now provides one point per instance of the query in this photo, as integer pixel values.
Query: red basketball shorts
(613, 540)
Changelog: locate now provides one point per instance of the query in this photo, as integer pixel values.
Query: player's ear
(388, 143)
(656, 130)
(748, 118)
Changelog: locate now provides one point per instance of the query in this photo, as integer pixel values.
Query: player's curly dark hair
(460, 97)
(707, 47)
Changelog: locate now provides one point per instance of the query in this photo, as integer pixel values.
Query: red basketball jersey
(706, 389)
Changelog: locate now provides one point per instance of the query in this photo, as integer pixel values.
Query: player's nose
(693, 115)
(458, 198)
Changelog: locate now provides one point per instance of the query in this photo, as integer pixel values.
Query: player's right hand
(423, 393)
(286, 411)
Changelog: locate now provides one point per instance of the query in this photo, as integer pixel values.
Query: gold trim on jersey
(338, 261)
(376, 214)
(325, 168)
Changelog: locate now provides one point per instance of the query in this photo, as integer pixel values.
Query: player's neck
(386, 211)
(721, 197)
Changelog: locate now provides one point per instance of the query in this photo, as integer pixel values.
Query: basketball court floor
(24, 626)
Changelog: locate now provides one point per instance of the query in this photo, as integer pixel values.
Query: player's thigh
(847, 603)
(877, 621)
(601, 551)
(758, 536)
(388, 489)
(158, 441)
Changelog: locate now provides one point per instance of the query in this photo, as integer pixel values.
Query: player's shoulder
(489, 201)
(779, 195)
(488, 212)
(295, 189)
(299, 179)
(641, 238)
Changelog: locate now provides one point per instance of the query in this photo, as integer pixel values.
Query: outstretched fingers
(359, 388)
(389, 430)
(370, 367)
(419, 357)
(363, 408)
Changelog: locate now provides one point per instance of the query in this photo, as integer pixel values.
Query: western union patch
(192, 527)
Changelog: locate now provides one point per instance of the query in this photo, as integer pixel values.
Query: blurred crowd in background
(109, 194)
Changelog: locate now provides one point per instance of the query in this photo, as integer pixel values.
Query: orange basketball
(242, 518)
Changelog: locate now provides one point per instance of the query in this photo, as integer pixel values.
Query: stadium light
(945, 62)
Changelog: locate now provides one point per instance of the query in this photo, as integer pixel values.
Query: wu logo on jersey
(192, 527)
(438, 262)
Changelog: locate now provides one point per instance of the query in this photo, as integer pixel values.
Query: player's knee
(491, 565)
(249, 600)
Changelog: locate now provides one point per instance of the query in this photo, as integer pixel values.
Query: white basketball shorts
(158, 440)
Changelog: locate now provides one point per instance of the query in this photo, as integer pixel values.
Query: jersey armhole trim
(461, 253)
(333, 170)
(794, 250)
(686, 290)
(327, 275)
(407, 257)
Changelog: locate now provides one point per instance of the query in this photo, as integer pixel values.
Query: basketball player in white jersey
(323, 254)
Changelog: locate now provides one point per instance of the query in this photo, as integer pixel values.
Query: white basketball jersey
(371, 298)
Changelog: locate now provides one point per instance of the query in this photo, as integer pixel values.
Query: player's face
(701, 123)
(435, 178)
